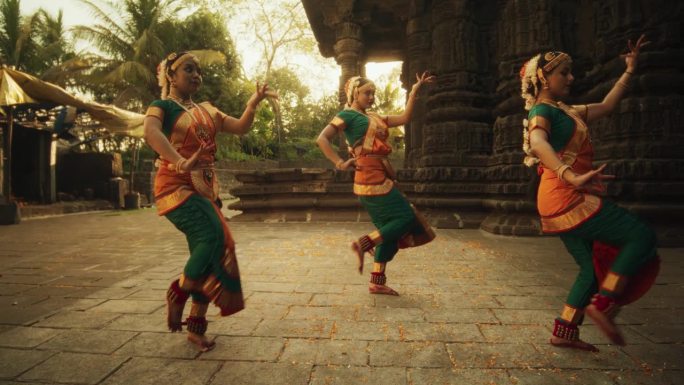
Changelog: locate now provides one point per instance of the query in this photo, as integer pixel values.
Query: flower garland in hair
(529, 91)
(529, 81)
(162, 78)
(350, 87)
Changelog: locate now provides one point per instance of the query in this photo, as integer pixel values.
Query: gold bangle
(179, 164)
(561, 170)
(630, 73)
(622, 84)
(558, 168)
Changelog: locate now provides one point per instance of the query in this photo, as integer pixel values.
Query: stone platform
(82, 302)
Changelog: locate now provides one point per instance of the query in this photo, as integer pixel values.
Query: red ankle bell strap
(565, 330)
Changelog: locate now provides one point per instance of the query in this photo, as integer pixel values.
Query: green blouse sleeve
(169, 114)
(558, 126)
(347, 116)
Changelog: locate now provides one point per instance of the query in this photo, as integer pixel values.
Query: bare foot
(563, 343)
(606, 325)
(202, 342)
(381, 289)
(359, 254)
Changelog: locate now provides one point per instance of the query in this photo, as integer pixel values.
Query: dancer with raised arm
(556, 138)
(183, 133)
(366, 132)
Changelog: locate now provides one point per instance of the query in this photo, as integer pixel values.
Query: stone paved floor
(82, 302)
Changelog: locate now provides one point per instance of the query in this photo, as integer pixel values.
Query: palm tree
(57, 61)
(128, 48)
(17, 36)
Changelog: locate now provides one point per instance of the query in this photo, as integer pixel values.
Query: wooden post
(9, 210)
(7, 154)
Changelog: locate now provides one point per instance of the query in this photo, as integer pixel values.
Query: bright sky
(322, 81)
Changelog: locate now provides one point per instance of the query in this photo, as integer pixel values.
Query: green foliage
(261, 141)
(388, 94)
(124, 73)
(310, 118)
(126, 49)
(17, 37)
(221, 84)
(35, 43)
(389, 101)
(301, 149)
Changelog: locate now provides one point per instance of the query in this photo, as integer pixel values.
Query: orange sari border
(576, 215)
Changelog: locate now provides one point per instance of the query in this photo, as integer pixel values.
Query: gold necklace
(185, 103)
(200, 128)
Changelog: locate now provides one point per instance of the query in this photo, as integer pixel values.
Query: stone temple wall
(463, 144)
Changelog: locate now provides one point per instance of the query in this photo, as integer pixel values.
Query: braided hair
(532, 73)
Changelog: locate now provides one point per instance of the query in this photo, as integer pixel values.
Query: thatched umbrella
(18, 88)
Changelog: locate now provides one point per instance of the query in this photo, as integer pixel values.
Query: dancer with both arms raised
(556, 136)
(398, 225)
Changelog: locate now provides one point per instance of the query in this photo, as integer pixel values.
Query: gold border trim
(155, 112)
(569, 153)
(539, 122)
(613, 282)
(169, 202)
(375, 236)
(571, 314)
(575, 216)
(369, 138)
(182, 60)
(338, 123)
(556, 61)
(374, 189)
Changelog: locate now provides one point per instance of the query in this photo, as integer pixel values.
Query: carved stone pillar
(417, 61)
(529, 28)
(641, 141)
(456, 134)
(348, 53)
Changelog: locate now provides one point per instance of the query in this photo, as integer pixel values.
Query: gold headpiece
(178, 60)
(554, 59)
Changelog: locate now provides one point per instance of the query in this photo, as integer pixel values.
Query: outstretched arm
(598, 110)
(241, 126)
(324, 141)
(405, 117)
